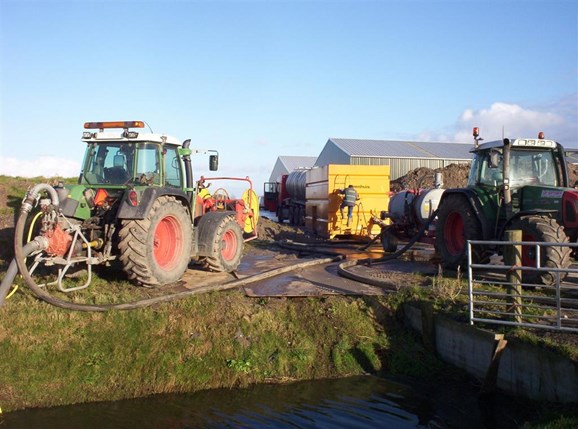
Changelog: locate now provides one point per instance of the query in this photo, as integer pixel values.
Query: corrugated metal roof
(286, 164)
(293, 162)
(398, 148)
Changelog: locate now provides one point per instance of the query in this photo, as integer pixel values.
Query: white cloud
(46, 166)
(510, 119)
(558, 120)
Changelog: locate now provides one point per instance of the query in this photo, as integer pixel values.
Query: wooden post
(513, 257)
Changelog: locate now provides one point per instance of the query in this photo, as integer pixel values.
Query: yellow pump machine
(322, 214)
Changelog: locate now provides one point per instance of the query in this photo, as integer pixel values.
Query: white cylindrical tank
(427, 202)
(400, 203)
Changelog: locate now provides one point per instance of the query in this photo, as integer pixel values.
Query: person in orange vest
(349, 199)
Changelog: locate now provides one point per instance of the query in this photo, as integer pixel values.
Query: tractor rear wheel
(157, 250)
(456, 224)
(542, 229)
(221, 238)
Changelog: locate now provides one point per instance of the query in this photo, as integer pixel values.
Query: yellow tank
(323, 199)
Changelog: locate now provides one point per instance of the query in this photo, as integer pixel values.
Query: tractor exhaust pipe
(507, 190)
(187, 162)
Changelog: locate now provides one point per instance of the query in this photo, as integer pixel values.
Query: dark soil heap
(454, 176)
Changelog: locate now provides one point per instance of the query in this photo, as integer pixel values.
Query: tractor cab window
(492, 169)
(121, 163)
(110, 163)
(172, 168)
(532, 168)
(148, 165)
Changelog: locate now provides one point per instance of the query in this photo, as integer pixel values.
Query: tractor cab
(517, 172)
(527, 164)
(125, 157)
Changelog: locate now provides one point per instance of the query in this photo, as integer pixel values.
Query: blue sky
(257, 79)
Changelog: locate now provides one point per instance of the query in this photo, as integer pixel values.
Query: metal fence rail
(495, 299)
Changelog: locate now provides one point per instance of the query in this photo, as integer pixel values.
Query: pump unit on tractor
(513, 184)
(137, 205)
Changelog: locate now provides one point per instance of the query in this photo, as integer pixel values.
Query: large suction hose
(8, 279)
(342, 268)
(37, 244)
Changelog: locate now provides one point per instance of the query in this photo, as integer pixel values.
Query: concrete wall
(524, 369)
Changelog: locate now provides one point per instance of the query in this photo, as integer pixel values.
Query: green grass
(54, 357)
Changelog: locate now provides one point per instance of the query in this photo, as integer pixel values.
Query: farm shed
(286, 164)
(401, 156)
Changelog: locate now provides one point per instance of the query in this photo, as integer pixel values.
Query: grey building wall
(401, 166)
(402, 157)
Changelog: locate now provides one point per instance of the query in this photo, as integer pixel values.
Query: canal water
(356, 402)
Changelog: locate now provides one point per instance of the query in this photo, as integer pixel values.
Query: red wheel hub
(454, 233)
(229, 245)
(168, 243)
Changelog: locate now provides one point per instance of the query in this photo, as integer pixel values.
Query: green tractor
(136, 205)
(517, 184)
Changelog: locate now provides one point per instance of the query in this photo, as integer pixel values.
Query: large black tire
(157, 250)
(220, 241)
(542, 229)
(457, 223)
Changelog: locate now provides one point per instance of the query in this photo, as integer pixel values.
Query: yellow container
(322, 214)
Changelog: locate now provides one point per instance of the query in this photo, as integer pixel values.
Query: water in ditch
(356, 402)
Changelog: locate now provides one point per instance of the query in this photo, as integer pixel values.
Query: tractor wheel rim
(168, 243)
(454, 233)
(229, 245)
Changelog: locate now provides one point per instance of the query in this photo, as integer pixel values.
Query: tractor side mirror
(494, 161)
(213, 162)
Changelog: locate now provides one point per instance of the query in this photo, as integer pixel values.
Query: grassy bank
(52, 356)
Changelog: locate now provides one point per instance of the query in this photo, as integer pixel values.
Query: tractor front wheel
(547, 230)
(221, 238)
(157, 250)
(456, 224)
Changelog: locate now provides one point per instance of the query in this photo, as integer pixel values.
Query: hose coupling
(29, 202)
(33, 195)
(41, 242)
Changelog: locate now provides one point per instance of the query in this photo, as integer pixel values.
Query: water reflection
(357, 402)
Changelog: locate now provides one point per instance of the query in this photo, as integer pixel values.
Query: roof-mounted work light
(114, 124)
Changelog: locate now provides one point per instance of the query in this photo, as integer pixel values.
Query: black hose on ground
(342, 268)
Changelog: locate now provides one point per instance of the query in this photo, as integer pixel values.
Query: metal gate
(496, 296)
